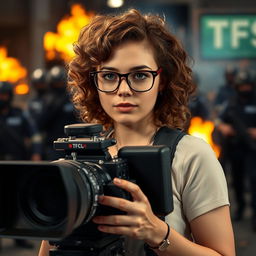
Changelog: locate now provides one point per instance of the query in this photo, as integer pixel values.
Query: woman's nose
(124, 87)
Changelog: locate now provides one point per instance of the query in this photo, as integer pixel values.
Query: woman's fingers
(116, 220)
(131, 187)
(133, 208)
(116, 202)
(122, 225)
(139, 204)
(120, 230)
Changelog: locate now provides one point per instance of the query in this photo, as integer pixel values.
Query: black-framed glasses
(138, 81)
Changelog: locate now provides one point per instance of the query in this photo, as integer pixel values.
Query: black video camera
(57, 200)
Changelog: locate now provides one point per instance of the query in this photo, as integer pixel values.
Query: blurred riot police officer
(19, 139)
(226, 91)
(37, 104)
(59, 110)
(198, 104)
(237, 123)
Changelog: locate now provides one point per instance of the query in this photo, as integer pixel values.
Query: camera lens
(60, 193)
(44, 198)
(51, 199)
(50, 204)
(89, 179)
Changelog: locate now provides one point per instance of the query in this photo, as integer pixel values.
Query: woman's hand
(139, 223)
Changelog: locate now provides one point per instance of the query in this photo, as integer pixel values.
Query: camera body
(57, 200)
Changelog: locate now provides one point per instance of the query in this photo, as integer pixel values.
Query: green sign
(228, 36)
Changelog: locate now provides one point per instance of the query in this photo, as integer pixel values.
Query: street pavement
(244, 236)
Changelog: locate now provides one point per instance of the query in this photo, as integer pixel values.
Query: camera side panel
(150, 167)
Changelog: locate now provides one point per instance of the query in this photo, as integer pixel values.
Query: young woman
(131, 75)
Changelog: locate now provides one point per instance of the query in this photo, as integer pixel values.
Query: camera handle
(116, 248)
(83, 129)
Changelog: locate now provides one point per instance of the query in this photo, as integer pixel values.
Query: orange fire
(60, 44)
(12, 71)
(203, 129)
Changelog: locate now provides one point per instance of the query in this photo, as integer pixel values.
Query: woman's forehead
(130, 55)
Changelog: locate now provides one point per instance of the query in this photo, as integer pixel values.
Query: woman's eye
(140, 75)
(109, 76)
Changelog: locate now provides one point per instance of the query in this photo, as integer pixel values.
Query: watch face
(164, 245)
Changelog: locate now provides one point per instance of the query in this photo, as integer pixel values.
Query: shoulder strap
(169, 137)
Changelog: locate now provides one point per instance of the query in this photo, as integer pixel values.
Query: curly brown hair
(97, 42)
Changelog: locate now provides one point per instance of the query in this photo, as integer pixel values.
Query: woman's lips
(125, 107)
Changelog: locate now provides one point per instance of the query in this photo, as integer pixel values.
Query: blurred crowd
(28, 133)
(233, 112)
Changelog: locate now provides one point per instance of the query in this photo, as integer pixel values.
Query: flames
(12, 71)
(60, 45)
(57, 46)
(203, 129)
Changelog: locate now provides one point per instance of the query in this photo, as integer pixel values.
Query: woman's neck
(134, 136)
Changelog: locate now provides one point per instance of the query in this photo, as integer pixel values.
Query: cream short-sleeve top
(198, 183)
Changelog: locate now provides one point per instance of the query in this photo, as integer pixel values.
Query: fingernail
(117, 181)
(95, 219)
(100, 198)
(101, 228)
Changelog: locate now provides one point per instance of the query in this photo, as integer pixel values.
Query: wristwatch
(165, 243)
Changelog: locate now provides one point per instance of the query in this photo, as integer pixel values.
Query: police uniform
(36, 108)
(18, 136)
(240, 113)
(226, 91)
(59, 111)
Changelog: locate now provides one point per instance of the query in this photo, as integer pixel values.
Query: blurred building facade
(24, 23)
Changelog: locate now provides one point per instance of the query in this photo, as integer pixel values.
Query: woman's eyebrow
(140, 67)
(131, 69)
(109, 68)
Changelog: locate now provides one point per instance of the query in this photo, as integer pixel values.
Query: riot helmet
(6, 94)
(38, 80)
(243, 77)
(230, 74)
(57, 78)
(244, 85)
